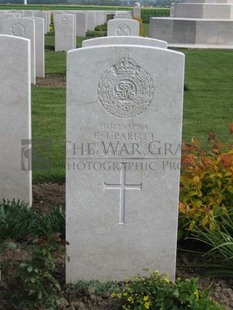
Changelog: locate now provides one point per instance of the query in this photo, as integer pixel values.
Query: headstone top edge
(124, 37)
(14, 37)
(119, 46)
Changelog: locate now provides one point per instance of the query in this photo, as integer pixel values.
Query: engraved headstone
(15, 119)
(81, 24)
(91, 20)
(45, 17)
(65, 32)
(123, 27)
(124, 40)
(6, 15)
(100, 18)
(124, 122)
(136, 12)
(24, 28)
(121, 15)
(39, 46)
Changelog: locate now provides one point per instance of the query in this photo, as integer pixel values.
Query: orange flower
(230, 128)
(187, 160)
(227, 160)
(182, 208)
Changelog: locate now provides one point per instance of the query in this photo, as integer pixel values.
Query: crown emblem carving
(126, 65)
(125, 90)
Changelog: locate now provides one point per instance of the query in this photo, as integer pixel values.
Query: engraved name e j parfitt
(125, 90)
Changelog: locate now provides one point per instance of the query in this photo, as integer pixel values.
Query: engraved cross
(122, 187)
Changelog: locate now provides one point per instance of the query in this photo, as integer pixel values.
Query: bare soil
(51, 81)
(46, 196)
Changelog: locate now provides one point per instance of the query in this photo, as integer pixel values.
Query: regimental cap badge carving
(125, 90)
(18, 30)
(123, 30)
(64, 20)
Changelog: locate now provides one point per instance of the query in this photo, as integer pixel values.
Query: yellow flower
(130, 299)
(196, 295)
(145, 298)
(113, 295)
(147, 305)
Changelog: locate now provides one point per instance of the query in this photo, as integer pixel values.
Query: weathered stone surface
(124, 122)
(15, 119)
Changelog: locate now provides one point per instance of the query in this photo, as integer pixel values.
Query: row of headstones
(27, 24)
(66, 29)
(32, 28)
(124, 123)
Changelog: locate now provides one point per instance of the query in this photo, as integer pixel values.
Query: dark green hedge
(156, 12)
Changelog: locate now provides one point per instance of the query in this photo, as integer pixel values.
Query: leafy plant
(17, 221)
(219, 258)
(101, 27)
(156, 292)
(31, 283)
(20, 223)
(50, 223)
(93, 34)
(206, 185)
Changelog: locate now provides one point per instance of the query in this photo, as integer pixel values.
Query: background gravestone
(65, 32)
(124, 122)
(124, 40)
(15, 119)
(81, 24)
(39, 47)
(24, 28)
(123, 27)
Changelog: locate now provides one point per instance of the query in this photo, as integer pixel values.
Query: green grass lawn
(208, 102)
(208, 105)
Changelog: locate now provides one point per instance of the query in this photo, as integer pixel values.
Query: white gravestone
(136, 12)
(81, 24)
(40, 47)
(15, 119)
(124, 40)
(122, 27)
(28, 13)
(127, 15)
(24, 28)
(65, 32)
(45, 18)
(124, 123)
(100, 18)
(90, 20)
(6, 15)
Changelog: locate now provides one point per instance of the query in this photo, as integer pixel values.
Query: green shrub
(20, 223)
(53, 222)
(156, 292)
(146, 13)
(206, 185)
(30, 283)
(17, 221)
(218, 260)
(101, 27)
(94, 34)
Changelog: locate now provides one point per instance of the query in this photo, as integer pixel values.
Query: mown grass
(208, 105)
(208, 102)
